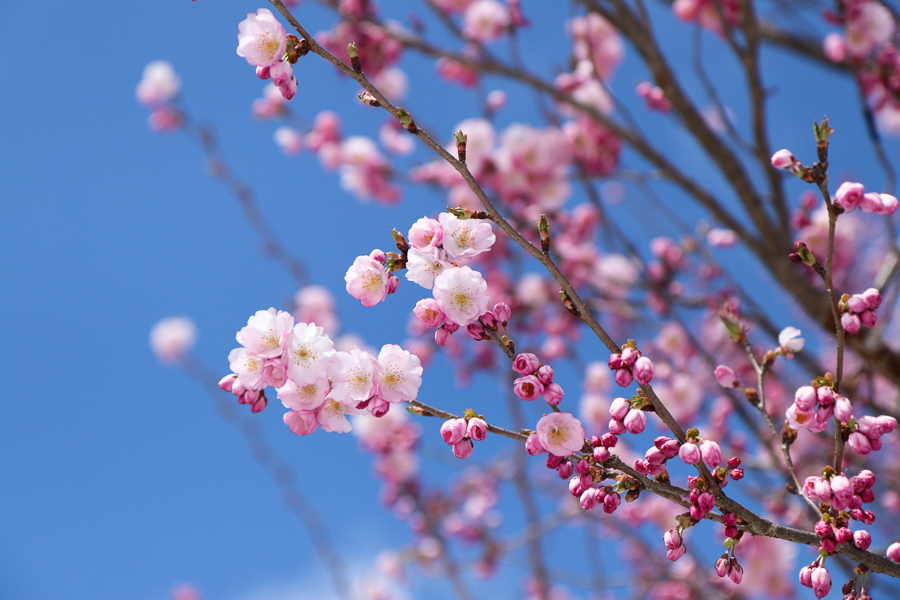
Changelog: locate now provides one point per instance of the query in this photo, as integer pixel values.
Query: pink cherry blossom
(367, 281)
(849, 195)
(689, 453)
(352, 376)
(485, 20)
(301, 422)
(560, 433)
(266, 333)
(426, 234)
(726, 377)
(159, 84)
(526, 363)
(307, 397)
(783, 159)
(172, 338)
(261, 39)
(528, 387)
(332, 416)
(533, 445)
(453, 430)
(461, 294)
(821, 581)
(399, 374)
(288, 140)
(790, 341)
(309, 351)
(553, 393)
(429, 313)
(635, 421)
(643, 370)
(476, 429)
(423, 266)
(465, 238)
(851, 322)
(249, 368)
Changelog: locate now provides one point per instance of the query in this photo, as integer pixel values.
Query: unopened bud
(401, 242)
(369, 99)
(461, 139)
(406, 120)
(544, 230)
(354, 57)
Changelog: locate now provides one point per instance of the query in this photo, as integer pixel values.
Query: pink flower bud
(263, 72)
(858, 303)
(588, 499)
(873, 296)
(378, 256)
(689, 453)
(868, 318)
(378, 407)
(611, 503)
(476, 331)
(635, 421)
(825, 395)
(889, 205)
(783, 159)
(526, 363)
(575, 487)
(886, 424)
(392, 284)
(545, 374)
(463, 448)
(668, 446)
(533, 445)
(453, 431)
(617, 427)
(609, 440)
(655, 457)
(259, 404)
(842, 535)
(615, 361)
(629, 355)
(676, 553)
(489, 320)
(722, 565)
(736, 572)
(821, 581)
(553, 393)
(868, 426)
(565, 469)
(843, 409)
(862, 539)
(643, 370)
(806, 576)
(851, 322)
(619, 408)
(849, 195)
(227, 382)
(429, 313)
(502, 312)
(476, 429)
(528, 388)
(871, 203)
(859, 443)
(893, 552)
(554, 461)
(726, 377)
(441, 335)
(806, 398)
(601, 454)
(672, 538)
(623, 377)
(828, 544)
(737, 474)
(706, 501)
(712, 454)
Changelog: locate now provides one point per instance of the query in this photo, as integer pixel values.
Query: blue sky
(118, 479)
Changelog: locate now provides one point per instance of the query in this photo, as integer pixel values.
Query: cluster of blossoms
(263, 42)
(629, 365)
(859, 309)
(653, 96)
(851, 195)
(318, 384)
(815, 404)
(460, 433)
(158, 90)
(536, 380)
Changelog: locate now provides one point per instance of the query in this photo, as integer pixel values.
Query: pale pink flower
(332, 416)
(835, 47)
(560, 433)
(289, 140)
(266, 333)
(790, 341)
(352, 376)
(249, 368)
(399, 374)
(423, 266)
(308, 396)
(426, 234)
(496, 99)
(722, 238)
(465, 238)
(799, 418)
(429, 313)
(301, 422)
(528, 387)
(394, 84)
(461, 294)
(476, 429)
(595, 39)
(869, 26)
(261, 39)
(159, 84)
(367, 281)
(485, 20)
(172, 338)
(309, 351)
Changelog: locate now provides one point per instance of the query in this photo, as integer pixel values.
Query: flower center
(359, 379)
(372, 281)
(308, 392)
(305, 354)
(463, 238)
(559, 434)
(460, 299)
(270, 340)
(267, 44)
(393, 378)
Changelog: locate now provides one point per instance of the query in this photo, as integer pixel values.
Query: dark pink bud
(227, 382)
(601, 454)
(595, 440)
(451, 326)
(828, 544)
(615, 361)
(851, 322)
(564, 470)
(463, 448)
(489, 320)
(875, 443)
(706, 501)
(676, 553)
(378, 407)
(378, 256)
(655, 457)
(842, 535)
(731, 531)
(533, 445)
(867, 477)
(609, 440)
(502, 312)
(893, 552)
(869, 318)
(865, 497)
(553, 461)
(392, 284)
(735, 571)
(722, 566)
(825, 395)
(582, 467)
(737, 474)
(862, 539)
(734, 462)
(868, 426)
(545, 374)
(611, 503)
(629, 355)
(823, 529)
(729, 520)
(668, 446)
(476, 330)
(526, 363)
(476, 429)
(697, 513)
(441, 335)
(263, 72)
(259, 404)
(623, 377)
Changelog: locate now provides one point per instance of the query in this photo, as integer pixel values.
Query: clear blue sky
(117, 479)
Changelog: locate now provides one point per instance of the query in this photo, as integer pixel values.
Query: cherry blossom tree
(668, 384)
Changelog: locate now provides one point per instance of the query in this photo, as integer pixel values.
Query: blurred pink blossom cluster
(158, 90)
(263, 42)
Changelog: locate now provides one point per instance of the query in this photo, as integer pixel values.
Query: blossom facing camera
(261, 39)
(560, 433)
